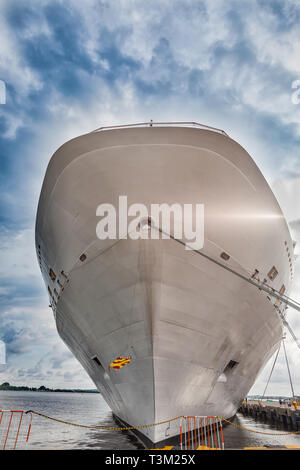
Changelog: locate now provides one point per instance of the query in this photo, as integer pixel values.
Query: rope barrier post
(216, 424)
(211, 437)
(195, 431)
(29, 427)
(18, 430)
(222, 434)
(212, 434)
(207, 427)
(199, 431)
(11, 415)
(190, 431)
(180, 433)
(218, 432)
(214, 427)
(205, 432)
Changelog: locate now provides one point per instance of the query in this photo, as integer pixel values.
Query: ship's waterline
(196, 336)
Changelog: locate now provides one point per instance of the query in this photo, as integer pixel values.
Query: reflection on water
(239, 438)
(91, 409)
(81, 408)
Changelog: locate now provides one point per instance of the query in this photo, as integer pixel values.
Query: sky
(70, 67)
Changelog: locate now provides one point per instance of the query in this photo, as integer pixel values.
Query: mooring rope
(112, 428)
(271, 372)
(288, 368)
(105, 428)
(257, 432)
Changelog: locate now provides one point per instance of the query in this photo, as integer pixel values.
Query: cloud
(35, 354)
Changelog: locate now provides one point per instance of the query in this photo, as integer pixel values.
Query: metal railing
(15, 426)
(201, 433)
(162, 124)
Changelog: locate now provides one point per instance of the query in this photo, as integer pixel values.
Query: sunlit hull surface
(180, 317)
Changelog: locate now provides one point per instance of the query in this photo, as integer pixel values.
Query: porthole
(231, 365)
(272, 273)
(225, 256)
(282, 289)
(97, 361)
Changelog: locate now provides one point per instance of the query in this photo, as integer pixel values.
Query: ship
(161, 330)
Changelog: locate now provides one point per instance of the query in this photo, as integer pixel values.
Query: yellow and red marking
(121, 361)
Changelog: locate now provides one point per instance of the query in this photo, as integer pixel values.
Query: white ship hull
(180, 317)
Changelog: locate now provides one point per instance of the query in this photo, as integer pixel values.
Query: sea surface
(91, 409)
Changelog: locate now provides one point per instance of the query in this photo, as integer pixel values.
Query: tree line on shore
(42, 388)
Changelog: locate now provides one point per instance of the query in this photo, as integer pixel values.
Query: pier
(273, 412)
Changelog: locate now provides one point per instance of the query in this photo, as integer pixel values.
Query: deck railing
(164, 124)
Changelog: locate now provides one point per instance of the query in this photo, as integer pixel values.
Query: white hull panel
(180, 317)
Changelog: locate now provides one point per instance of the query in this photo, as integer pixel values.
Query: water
(81, 408)
(91, 409)
(238, 438)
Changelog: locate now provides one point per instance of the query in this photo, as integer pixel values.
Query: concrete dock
(273, 412)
